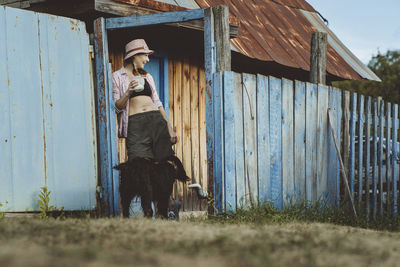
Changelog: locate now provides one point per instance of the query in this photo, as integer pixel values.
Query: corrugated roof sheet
(280, 31)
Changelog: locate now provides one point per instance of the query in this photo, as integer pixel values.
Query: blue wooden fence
(272, 141)
(374, 155)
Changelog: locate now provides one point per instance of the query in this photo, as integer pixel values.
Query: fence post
(346, 132)
(318, 57)
(222, 43)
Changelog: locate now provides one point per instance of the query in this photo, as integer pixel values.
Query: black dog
(152, 181)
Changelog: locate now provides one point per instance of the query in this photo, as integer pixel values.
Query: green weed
(45, 207)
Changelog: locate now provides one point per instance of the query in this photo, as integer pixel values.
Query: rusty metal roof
(280, 31)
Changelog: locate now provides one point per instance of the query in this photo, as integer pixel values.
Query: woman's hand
(173, 136)
(132, 85)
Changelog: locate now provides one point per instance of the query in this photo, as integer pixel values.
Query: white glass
(140, 81)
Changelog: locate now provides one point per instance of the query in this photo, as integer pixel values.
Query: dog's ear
(180, 171)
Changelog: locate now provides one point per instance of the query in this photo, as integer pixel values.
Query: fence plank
(203, 136)
(323, 143)
(333, 159)
(218, 141)
(374, 158)
(263, 138)
(239, 144)
(194, 132)
(346, 130)
(186, 129)
(381, 173)
(311, 141)
(388, 161)
(368, 153)
(360, 146)
(287, 143)
(275, 133)
(250, 135)
(229, 141)
(395, 110)
(353, 116)
(299, 141)
(178, 118)
(339, 114)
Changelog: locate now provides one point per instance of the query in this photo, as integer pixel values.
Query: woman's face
(140, 60)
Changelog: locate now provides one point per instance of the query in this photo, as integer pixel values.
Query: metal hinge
(91, 51)
(99, 190)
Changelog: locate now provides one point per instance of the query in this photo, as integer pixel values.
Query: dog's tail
(181, 174)
(120, 166)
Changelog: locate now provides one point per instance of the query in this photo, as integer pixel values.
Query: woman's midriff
(141, 104)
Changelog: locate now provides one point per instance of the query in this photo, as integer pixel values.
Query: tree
(387, 67)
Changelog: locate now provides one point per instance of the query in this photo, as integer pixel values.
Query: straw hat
(137, 46)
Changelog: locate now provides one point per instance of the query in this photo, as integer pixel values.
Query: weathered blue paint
(229, 141)
(239, 141)
(381, 173)
(360, 146)
(103, 118)
(287, 142)
(154, 19)
(275, 135)
(338, 133)
(323, 138)
(374, 156)
(300, 141)
(250, 137)
(218, 141)
(368, 153)
(395, 111)
(335, 99)
(48, 133)
(113, 142)
(263, 144)
(311, 141)
(210, 68)
(388, 152)
(352, 153)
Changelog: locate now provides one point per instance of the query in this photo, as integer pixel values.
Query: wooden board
(195, 131)
(275, 135)
(299, 141)
(263, 144)
(186, 129)
(250, 136)
(239, 145)
(287, 143)
(203, 136)
(229, 142)
(323, 143)
(311, 141)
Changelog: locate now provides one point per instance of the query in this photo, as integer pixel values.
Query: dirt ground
(142, 242)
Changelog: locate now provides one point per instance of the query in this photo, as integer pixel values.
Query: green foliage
(306, 212)
(44, 201)
(387, 67)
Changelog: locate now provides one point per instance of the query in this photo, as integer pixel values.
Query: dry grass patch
(141, 242)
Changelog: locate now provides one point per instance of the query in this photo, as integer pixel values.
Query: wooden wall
(186, 80)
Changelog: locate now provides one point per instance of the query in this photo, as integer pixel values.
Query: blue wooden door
(47, 132)
(158, 68)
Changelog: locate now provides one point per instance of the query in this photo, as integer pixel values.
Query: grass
(308, 212)
(300, 235)
(141, 242)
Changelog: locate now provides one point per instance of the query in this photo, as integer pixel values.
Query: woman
(141, 117)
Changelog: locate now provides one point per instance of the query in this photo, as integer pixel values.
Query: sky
(364, 26)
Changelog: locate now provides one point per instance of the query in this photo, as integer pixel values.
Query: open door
(47, 118)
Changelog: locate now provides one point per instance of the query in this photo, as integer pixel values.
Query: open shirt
(120, 80)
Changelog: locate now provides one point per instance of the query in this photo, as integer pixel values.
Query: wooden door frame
(216, 56)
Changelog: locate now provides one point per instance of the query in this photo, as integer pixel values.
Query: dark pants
(148, 136)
